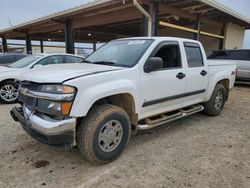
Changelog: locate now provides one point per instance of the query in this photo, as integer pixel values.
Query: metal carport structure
(104, 20)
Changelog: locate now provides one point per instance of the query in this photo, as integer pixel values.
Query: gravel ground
(198, 151)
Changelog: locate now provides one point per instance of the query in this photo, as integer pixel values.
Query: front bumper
(60, 133)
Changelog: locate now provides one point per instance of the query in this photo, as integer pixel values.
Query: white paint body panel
(141, 86)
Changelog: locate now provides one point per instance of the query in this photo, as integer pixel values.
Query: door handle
(203, 73)
(180, 75)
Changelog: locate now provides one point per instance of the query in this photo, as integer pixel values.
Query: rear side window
(7, 59)
(243, 55)
(51, 60)
(219, 55)
(17, 57)
(239, 55)
(72, 59)
(194, 55)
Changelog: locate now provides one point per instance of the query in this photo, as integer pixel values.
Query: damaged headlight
(57, 89)
(60, 101)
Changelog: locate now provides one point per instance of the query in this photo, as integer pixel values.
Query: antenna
(10, 23)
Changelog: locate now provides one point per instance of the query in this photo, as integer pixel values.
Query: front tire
(8, 92)
(103, 134)
(217, 101)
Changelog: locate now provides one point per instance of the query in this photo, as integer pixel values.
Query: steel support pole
(28, 44)
(94, 46)
(197, 27)
(155, 19)
(4, 45)
(144, 31)
(41, 46)
(221, 45)
(69, 37)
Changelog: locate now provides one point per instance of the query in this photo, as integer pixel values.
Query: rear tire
(217, 101)
(8, 92)
(103, 134)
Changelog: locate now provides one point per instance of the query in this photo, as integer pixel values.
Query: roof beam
(51, 28)
(190, 30)
(164, 8)
(107, 18)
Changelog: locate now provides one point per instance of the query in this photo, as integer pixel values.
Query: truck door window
(170, 55)
(194, 55)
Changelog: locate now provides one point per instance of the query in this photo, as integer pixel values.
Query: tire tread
(85, 130)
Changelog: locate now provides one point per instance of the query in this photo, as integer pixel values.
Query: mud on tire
(217, 101)
(103, 134)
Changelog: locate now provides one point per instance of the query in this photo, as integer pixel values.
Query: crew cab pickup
(126, 85)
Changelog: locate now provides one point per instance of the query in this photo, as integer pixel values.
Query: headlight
(57, 89)
(55, 108)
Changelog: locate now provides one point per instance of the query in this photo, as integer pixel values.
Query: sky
(13, 12)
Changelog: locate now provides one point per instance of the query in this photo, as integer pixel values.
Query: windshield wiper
(104, 63)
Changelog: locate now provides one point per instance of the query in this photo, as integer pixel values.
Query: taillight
(234, 73)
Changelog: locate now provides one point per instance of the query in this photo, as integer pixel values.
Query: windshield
(123, 53)
(24, 62)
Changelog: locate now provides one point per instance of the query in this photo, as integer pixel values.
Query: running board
(163, 118)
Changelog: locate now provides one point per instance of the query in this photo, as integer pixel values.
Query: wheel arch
(123, 100)
(225, 82)
(8, 79)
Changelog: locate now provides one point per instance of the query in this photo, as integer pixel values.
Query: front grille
(29, 102)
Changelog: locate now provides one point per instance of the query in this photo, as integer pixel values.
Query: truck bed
(218, 62)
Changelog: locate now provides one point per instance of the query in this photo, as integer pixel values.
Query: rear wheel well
(225, 83)
(124, 101)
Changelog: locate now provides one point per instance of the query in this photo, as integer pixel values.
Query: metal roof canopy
(105, 20)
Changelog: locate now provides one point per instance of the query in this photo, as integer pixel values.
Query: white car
(11, 72)
(126, 85)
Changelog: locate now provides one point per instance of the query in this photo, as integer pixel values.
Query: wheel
(103, 134)
(217, 101)
(8, 92)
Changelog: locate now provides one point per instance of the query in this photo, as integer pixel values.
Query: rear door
(197, 73)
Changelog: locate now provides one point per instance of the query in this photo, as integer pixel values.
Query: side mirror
(153, 64)
(37, 66)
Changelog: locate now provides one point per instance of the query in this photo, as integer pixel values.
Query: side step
(163, 118)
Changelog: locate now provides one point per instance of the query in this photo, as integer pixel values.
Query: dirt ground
(198, 151)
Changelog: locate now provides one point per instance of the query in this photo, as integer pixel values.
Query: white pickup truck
(127, 85)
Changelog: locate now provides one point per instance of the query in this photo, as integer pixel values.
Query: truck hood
(6, 69)
(60, 73)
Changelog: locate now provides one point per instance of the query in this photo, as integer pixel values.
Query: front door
(163, 90)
